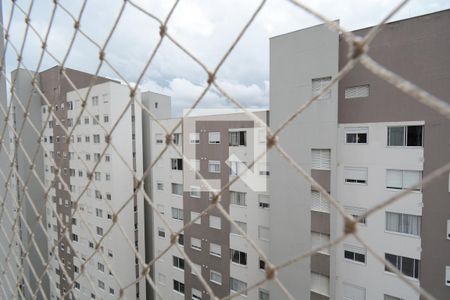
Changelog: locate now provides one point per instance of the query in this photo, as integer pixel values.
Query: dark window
(414, 135)
(176, 164)
(237, 138)
(238, 257)
(408, 266)
(355, 256)
(178, 286)
(356, 138)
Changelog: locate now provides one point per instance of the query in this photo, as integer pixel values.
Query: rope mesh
(14, 224)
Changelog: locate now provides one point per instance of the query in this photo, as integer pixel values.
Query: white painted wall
(377, 157)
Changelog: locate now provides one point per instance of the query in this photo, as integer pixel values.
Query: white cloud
(205, 28)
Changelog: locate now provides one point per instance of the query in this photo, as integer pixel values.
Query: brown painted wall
(417, 49)
(205, 152)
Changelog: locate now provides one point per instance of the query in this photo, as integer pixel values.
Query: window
(101, 267)
(177, 189)
(354, 292)
(195, 192)
(354, 253)
(355, 175)
(215, 249)
(448, 229)
(86, 120)
(161, 232)
(356, 135)
(176, 163)
(242, 226)
(263, 294)
(96, 138)
(159, 186)
(237, 138)
(101, 284)
(111, 291)
(94, 100)
(161, 208)
(216, 277)
(177, 213)
(96, 157)
(181, 239)
(196, 243)
(237, 286)
(238, 257)
(178, 286)
(105, 118)
(97, 176)
(214, 166)
(74, 237)
(389, 297)
(403, 179)
(409, 136)
(237, 198)
(196, 294)
(77, 285)
(159, 138)
(195, 215)
(264, 201)
(99, 231)
(263, 233)
(237, 167)
(214, 137)
(360, 91)
(176, 138)
(403, 223)
(318, 84)
(215, 222)
(320, 284)
(319, 203)
(178, 262)
(262, 264)
(99, 212)
(356, 212)
(408, 266)
(87, 139)
(447, 275)
(194, 138)
(319, 239)
(320, 159)
(95, 119)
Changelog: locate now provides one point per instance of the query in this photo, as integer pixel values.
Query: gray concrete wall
(29, 152)
(295, 59)
(162, 110)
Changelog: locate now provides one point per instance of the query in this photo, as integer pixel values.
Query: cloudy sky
(204, 27)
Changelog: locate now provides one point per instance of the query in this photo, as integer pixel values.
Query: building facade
(218, 147)
(364, 141)
(85, 207)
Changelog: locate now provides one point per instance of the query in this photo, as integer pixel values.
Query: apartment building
(218, 147)
(364, 141)
(97, 194)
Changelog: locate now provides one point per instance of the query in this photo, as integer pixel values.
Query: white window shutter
(321, 159)
(360, 91)
(355, 173)
(320, 284)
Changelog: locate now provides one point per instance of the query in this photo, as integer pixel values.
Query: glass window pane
(396, 136)
(414, 135)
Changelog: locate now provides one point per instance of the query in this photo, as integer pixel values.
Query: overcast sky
(205, 27)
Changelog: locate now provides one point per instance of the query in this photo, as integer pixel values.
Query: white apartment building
(364, 141)
(218, 146)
